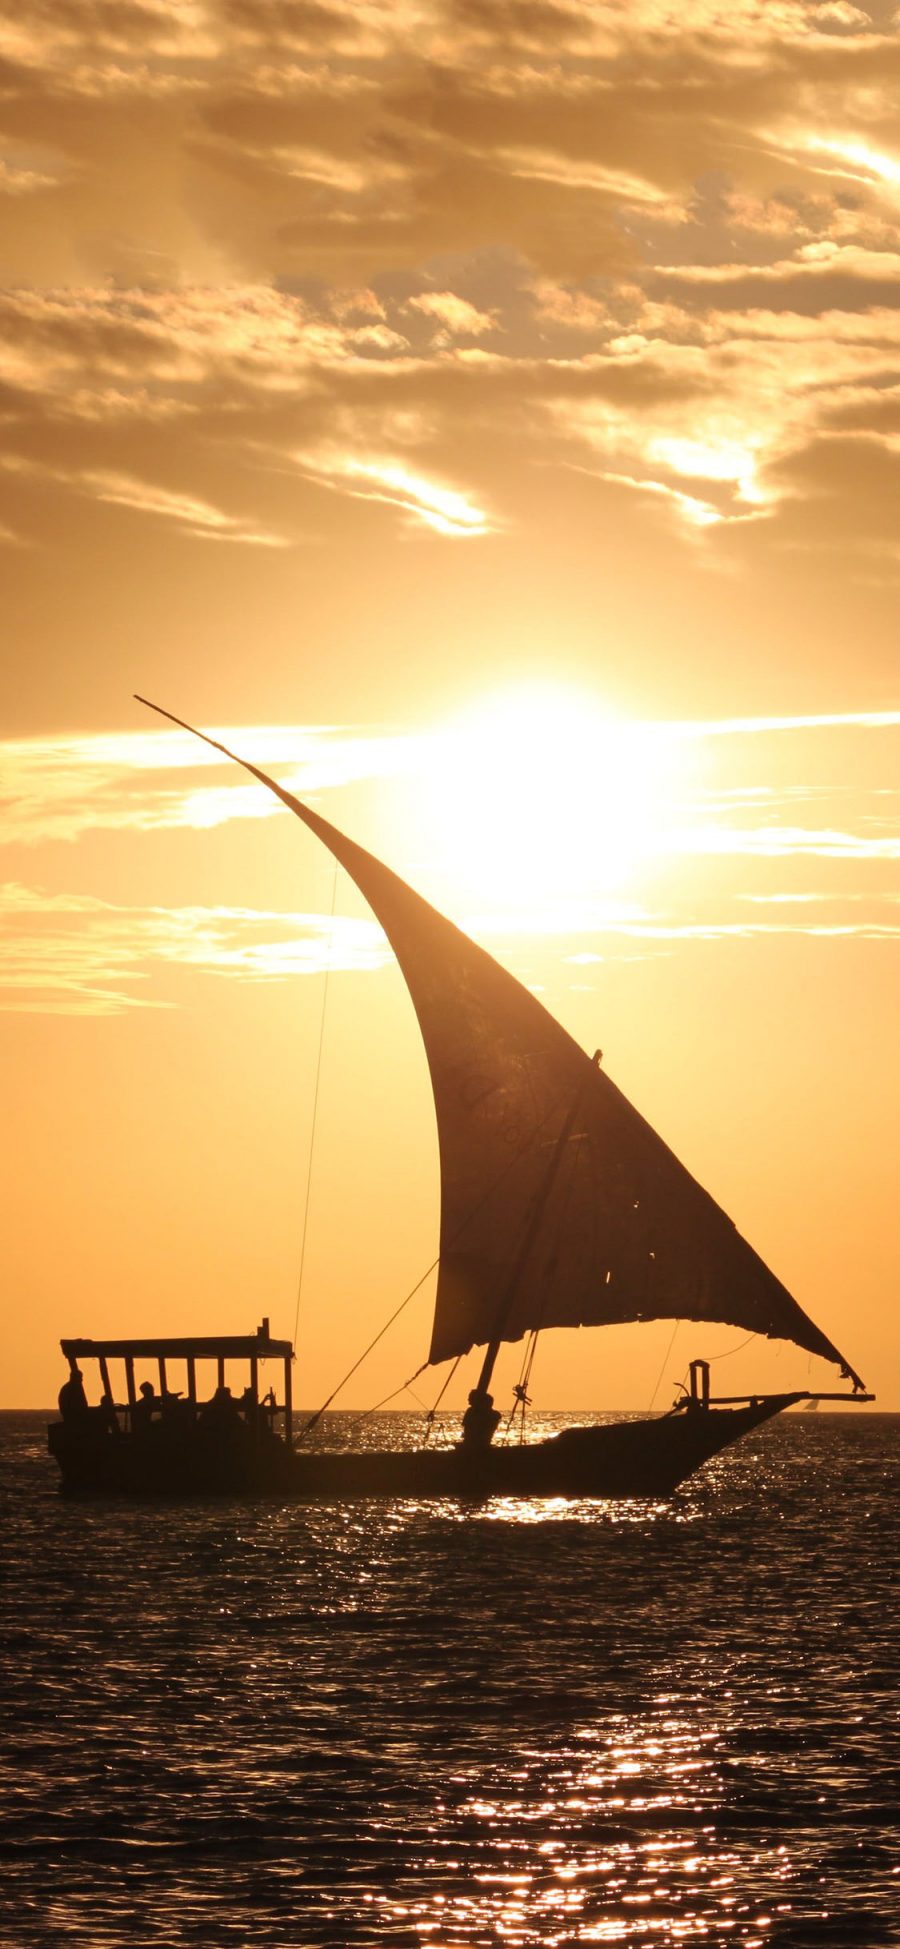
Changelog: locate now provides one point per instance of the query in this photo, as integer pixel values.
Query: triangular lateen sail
(625, 1232)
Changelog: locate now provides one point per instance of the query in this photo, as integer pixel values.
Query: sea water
(389, 1722)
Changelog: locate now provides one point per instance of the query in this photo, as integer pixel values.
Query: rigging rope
(489, 1193)
(520, 1391)
(715, 1356)
(730, 1350)
(406, 1387)
(373, 1343)
(312, 1133)
(429, 1418)
(664, 1366)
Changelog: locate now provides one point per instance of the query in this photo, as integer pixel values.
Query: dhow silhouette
(560, 1207)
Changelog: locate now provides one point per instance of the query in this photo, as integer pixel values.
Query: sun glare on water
(540, 797)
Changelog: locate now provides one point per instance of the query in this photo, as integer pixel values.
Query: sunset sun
(538, 796)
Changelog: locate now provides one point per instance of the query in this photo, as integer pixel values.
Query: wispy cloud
(780, 842)
(62, 788)
(197, 517)
(722, 930)
(724, 727)
(429, 503)
(75, 952)
(72, 954)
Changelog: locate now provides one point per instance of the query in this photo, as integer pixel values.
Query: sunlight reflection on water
(428, 1723)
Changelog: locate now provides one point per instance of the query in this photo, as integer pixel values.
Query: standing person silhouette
(73, 1404)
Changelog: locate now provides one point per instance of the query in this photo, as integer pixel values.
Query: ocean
(229, 1726)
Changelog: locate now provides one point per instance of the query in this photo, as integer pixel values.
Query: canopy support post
(288, 1405)
(700, 1383)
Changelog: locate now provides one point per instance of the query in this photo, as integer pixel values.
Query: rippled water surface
(402, 1723)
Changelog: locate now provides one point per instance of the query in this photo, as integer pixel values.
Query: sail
(539, 1148)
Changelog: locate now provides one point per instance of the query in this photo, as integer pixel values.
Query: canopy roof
(560, 1205)
(229, 1346)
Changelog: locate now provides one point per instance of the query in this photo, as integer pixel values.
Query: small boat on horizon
(560, 1207)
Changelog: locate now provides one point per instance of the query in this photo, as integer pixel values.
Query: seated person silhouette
(144, 1409)
(221, 1411)
(106, 1415)
(73, 1404)
(480, 1420)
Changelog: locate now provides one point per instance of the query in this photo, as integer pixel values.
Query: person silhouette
(480, 1420)
(143, 1411)
(222, 1411)
(73, 1404)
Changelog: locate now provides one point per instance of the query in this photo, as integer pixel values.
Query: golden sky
(485, 418)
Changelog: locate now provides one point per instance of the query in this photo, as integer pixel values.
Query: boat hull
(616, 1459)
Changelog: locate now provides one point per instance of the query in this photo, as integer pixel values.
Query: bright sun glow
(542, 799)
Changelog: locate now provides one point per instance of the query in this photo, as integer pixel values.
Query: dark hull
(622, 1458)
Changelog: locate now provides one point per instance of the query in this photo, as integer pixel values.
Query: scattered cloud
(782, 842)
(726, 727)
(61, 789)
(204, 407)
(656, 240)
(70, 951)
(443, 509)
(456, 316)
(71, 954)
(196, 517)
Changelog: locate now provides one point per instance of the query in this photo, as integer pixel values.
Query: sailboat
(560, 1207)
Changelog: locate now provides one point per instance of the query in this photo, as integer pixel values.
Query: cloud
(196, 517)
(782, 842)
(193, 406)
(459, 318)
(292, 136)
(442, 509)
(793, 789)
(59, 789)
(445, 248)
(695, 512)
(72, 954)
(821, 276)
(765, 726)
